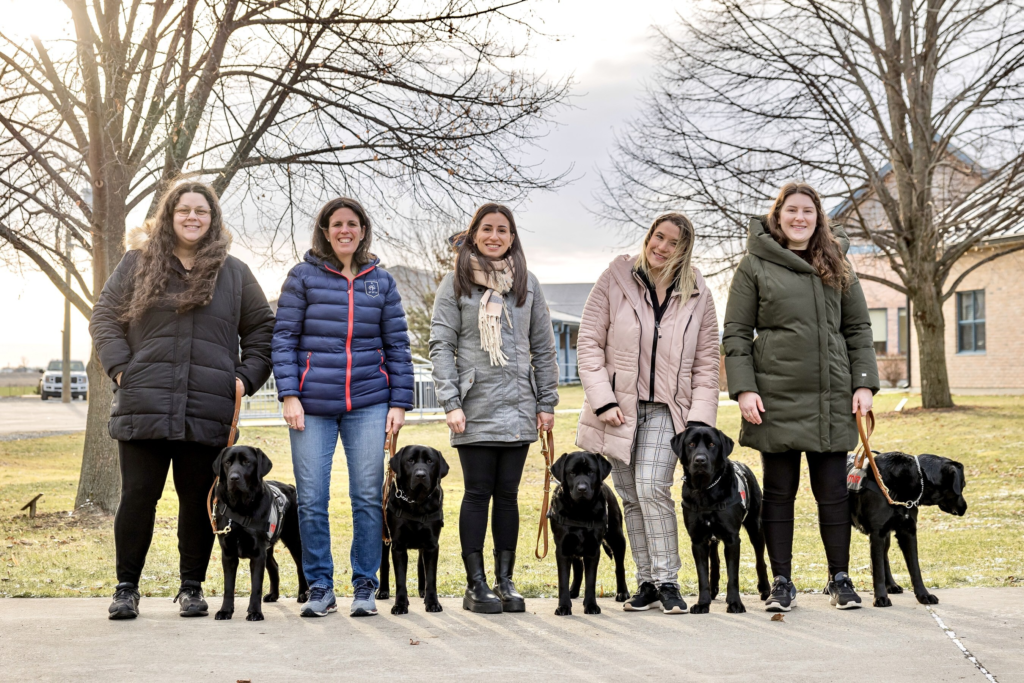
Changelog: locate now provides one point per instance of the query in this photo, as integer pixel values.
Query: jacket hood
(760, 243)
(310, 257)
(621, 268)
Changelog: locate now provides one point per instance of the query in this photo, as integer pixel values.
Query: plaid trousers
(645, 486)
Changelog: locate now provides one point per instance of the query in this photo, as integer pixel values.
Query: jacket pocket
(309, 358)
(466, 380)
(127, 371)
(387, 378)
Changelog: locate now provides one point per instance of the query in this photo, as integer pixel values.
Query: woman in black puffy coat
(181, 327)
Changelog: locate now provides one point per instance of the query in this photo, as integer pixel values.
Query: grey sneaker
(841, 591)
(363, 605)
(190, 599)
(126, 602)
(321, 602)
(783, 595)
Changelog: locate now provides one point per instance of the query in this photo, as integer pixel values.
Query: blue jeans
(362, 437)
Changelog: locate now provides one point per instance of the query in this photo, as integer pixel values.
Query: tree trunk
(930, 325)
(99, 484)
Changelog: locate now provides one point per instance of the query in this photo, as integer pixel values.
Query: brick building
(984, 318)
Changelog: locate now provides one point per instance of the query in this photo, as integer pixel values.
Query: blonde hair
(678, 263)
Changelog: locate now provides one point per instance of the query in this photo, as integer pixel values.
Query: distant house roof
(567, 299)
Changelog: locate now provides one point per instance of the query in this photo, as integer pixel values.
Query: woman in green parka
(800, 362)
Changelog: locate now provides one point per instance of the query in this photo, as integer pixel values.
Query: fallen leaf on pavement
(777, 617)
(413, 642)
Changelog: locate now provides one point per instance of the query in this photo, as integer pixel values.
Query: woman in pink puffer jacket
(648, 360)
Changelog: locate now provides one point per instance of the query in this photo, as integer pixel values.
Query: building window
(903, 330)
(880, 329)
(970, 321)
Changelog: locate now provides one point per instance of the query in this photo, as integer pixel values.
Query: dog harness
(272, 528)
(597, 525)
(859, 479)
(741, 490)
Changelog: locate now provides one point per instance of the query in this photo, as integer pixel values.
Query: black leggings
(828, 483)
(144, 465)
(490, 471)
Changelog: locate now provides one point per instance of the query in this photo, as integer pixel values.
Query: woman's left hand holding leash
(396, 420)
(545, 421)
(862, 400)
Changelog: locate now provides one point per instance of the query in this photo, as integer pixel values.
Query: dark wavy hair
(321, 243)
(154, 268)
(826, 255)
(466, 245)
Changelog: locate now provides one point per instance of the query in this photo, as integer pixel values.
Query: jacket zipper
(387, 377)
(348, 337)
(654, 355)
(302, 381)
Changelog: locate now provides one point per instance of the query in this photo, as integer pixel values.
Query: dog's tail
(607, 548)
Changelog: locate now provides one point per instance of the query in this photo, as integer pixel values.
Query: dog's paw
(736, 608)
(563, 611)
(574, 593)
(882, 601)
(928, 599)
(764, 591)
(400, 609)
(271, 597)
(383, 594)
(223, 615)
(699, 608)
(591, 609)
(254, 616)
(303, 597)
(434, 607)
(622, 597)
(894, 589)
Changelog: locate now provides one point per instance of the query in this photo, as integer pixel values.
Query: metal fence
(264, 404)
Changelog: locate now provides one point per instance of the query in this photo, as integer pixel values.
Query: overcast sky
(604, 44)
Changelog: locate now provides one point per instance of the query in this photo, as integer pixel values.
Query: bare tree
(915, 104)
(278, 103)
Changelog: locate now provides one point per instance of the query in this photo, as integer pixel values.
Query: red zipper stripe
(387, 377)
(348, 339)
(303, 380)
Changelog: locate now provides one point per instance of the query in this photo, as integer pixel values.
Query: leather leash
(390, 448)
(866, 426)
(211, 499)
(547, 449)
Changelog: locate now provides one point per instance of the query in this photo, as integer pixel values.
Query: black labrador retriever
(719, 497)
(585, 517)
(414, 516)
(931, 480)
(253, 515)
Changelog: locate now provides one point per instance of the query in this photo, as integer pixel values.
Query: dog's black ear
(558, 469)
(678, 444)
(219, 460)
(727, 443)
(263, 463)
(953, 472)
(444, 463)
(604, 468)
(396, 461)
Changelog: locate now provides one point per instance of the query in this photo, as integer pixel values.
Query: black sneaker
(783, 595)
(646, 596)
(126, 602)
(840, 588)
(671, 601)
(190, 599)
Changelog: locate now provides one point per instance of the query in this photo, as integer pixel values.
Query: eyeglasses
(185, 213)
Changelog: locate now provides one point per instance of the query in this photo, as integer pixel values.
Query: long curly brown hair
(826, 255)
(154, 268)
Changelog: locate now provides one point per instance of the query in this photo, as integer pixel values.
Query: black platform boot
(479, 597)
(504, 564)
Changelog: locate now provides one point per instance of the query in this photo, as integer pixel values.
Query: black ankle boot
(479, 597)
(504, 564)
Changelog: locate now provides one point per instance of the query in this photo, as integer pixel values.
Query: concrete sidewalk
(71, 640)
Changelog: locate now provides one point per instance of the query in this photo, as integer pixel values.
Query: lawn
(58, 555)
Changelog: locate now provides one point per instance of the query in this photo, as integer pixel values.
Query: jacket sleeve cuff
(451, 404)
(545, 408)
(285, 393)
(249, 391)
(703, 411)
(606, 407)
(117, 370)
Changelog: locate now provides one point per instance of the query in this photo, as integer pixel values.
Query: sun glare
(48, 19)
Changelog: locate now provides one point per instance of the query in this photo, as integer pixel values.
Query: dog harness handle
(865, 427)
(390, 448)
(547, 449)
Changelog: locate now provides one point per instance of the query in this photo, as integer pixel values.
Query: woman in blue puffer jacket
(343, 366)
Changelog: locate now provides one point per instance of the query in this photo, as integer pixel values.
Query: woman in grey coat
(496, 375)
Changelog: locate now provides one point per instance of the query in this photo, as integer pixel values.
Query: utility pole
(65, 385)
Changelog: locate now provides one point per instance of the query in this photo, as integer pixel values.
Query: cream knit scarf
(498, 282)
